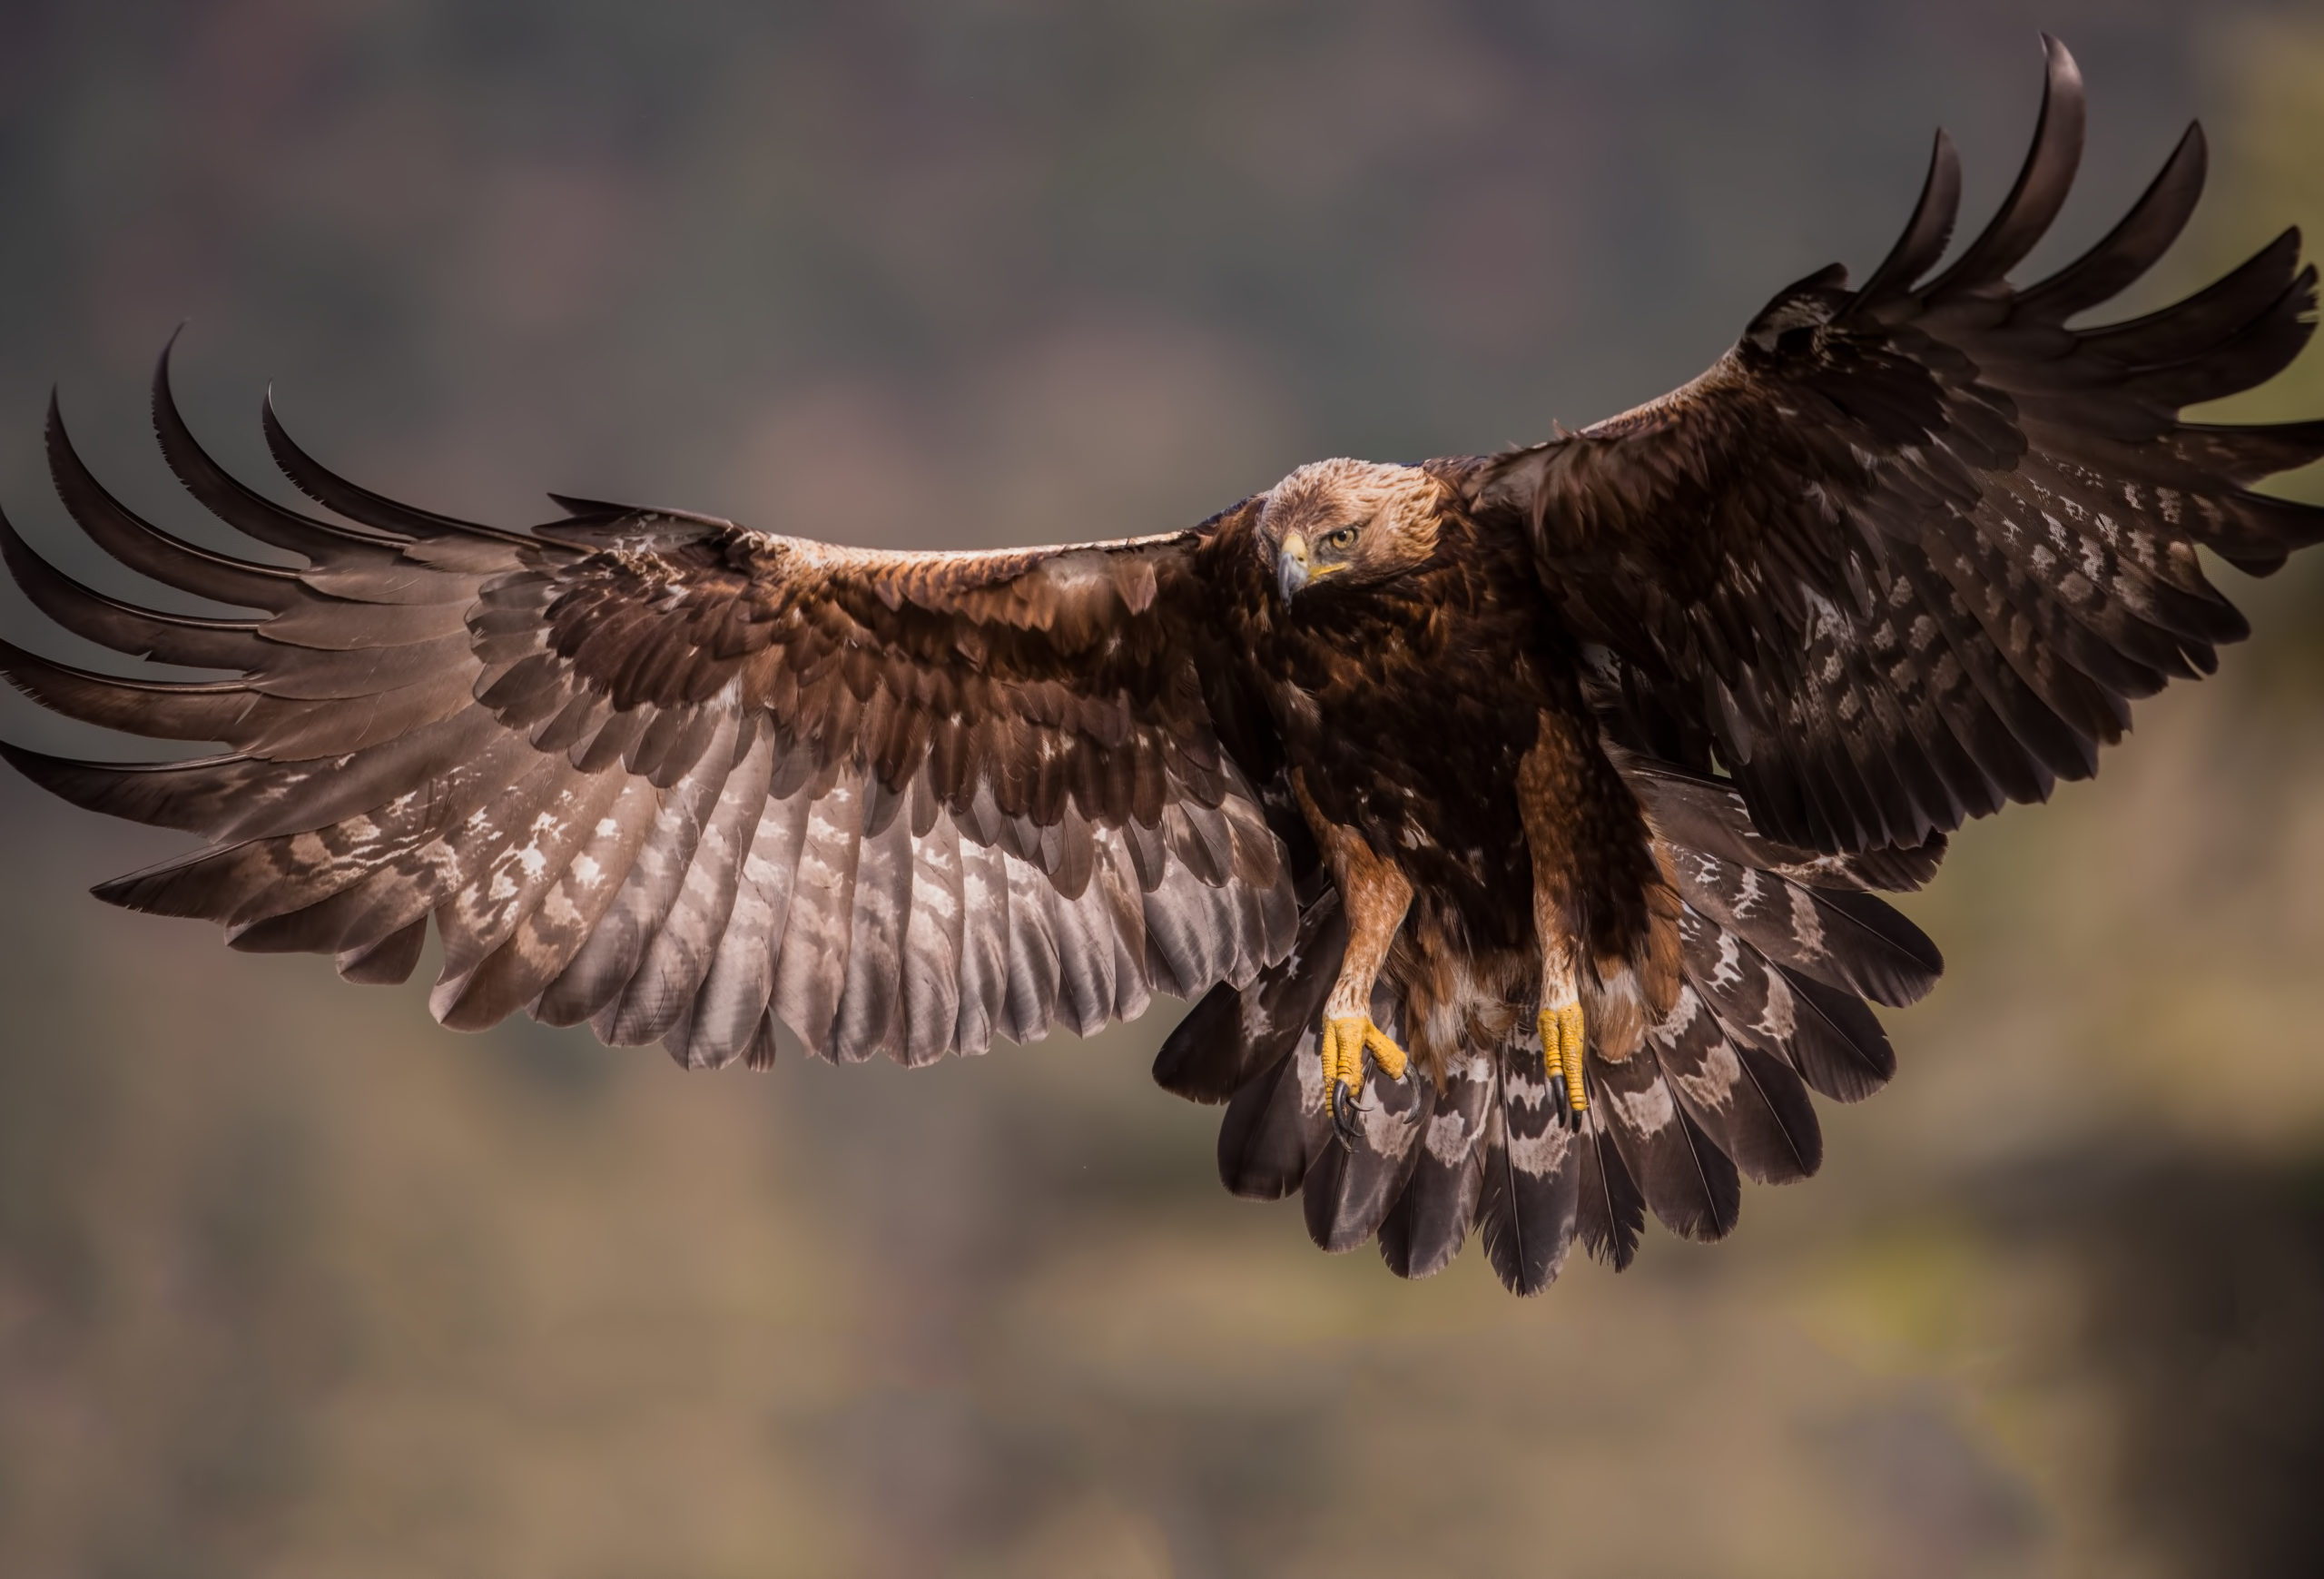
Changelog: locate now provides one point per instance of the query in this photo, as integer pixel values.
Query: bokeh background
(294, 1283)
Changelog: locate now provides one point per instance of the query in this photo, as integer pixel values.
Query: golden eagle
(1515, 820)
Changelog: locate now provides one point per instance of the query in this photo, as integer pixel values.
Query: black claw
(1344, 1114)
(1557, 1092)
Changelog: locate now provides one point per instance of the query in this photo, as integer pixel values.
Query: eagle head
(1353, 523)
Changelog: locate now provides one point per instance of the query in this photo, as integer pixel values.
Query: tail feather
(1755, 1107)
(1780, 949)
(1688, 1181)
(1530, 1206)
(1275, 1127)
(1840, 1047)
(1612, 1212)
(1424, 1230)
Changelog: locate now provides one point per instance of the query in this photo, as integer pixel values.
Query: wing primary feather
(157, 710)
(235, 502)
(151, 551)
(2246, 357)
(191, 797)
(2135, 243)
(2190, 326)
(358, 503)
(1926, 233)
(1275, 1127)
(187, 641)
(2041, 182)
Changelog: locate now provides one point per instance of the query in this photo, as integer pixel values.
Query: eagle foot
(1345, 1042)
(1562, 1042)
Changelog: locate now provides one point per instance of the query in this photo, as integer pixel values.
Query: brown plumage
(1626, 728)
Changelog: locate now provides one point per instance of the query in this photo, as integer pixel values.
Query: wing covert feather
(1909, 552)
(679, 779)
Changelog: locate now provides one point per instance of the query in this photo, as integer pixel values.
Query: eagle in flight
(1514, 822)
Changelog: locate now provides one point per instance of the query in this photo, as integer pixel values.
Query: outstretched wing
(679, 779)
(1906, 553)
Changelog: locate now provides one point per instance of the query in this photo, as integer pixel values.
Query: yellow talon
(1345, 1043)
(1562, 1042)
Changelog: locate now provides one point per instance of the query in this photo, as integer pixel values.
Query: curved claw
(1343, 1120)
(1345, 1040)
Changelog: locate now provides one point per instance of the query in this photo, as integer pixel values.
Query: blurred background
(294, 1283)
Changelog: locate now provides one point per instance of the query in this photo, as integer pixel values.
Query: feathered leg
(1547, 839)
(1375, 895)
(1604, 909)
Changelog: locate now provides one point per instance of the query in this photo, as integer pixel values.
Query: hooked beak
(1291, 565)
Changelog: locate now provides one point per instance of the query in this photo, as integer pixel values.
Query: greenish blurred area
(294, 1283)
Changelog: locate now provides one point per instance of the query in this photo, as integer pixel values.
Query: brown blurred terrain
(294, 1283)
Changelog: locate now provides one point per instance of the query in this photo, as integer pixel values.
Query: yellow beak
(1291, 571)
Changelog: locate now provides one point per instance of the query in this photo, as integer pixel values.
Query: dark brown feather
(1425, 1229)
(1908, 552)
(1530, 1196)
(1611, 1213)
(1275, 1127)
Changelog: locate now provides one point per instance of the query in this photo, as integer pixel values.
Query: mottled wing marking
(1906, 554)
(680, 780)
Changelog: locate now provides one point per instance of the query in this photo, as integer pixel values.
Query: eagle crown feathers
(1353, 522)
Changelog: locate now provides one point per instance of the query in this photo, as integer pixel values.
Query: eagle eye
(1343, 539)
